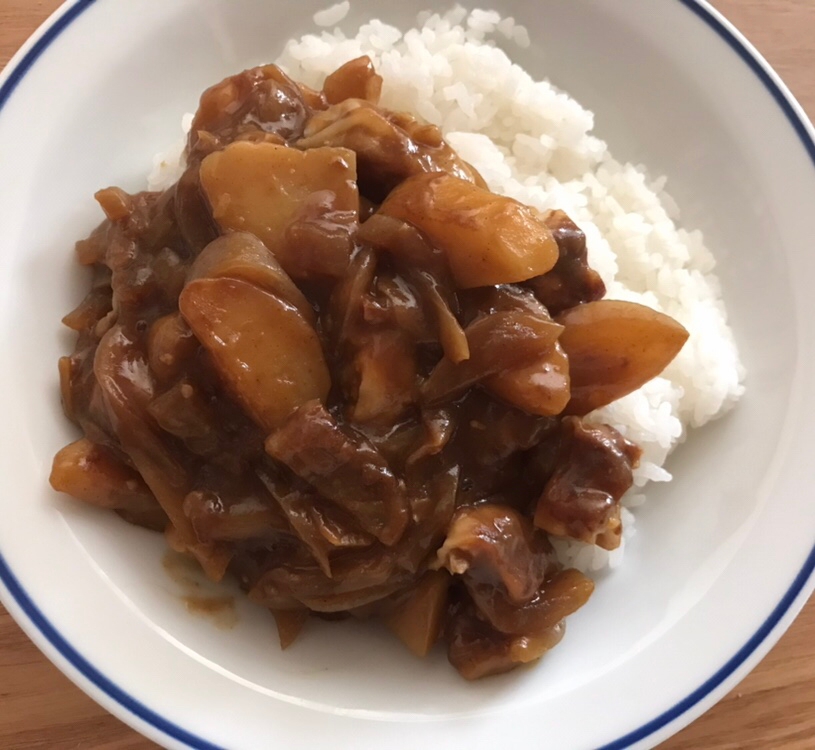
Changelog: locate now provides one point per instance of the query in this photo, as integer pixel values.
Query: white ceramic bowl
(724, 556)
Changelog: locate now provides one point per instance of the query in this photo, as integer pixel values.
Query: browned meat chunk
(254, 104)
(557, 598)
(344, 468)
(477, 650)
(582, 499)
(572, 281)
(518, 598)
(496, 546)
(490, 432)
(389, 148)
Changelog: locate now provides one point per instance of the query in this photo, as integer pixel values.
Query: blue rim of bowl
(177, 733)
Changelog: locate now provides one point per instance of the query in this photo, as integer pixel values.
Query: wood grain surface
(773, 708)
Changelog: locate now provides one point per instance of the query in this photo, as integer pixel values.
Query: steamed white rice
(535, 143)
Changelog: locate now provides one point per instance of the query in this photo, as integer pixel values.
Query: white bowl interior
(715, 550)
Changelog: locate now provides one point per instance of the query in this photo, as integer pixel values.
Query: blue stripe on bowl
(177, 733)
(87, 670)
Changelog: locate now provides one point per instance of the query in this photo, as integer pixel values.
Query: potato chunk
(614, 348)
(542, 388)
(93, 474)
(357, 79)
(271, 190)
(488, 239)
(418, 618)
(266, 353)
(290, 624)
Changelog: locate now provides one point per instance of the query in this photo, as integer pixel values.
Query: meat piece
(256, 102)
(477, 650)
(582, 498)
(344, 468)
(494, 545)
(518, 597)
(490, 445)
(572, 281)
(489, 432)
(559, 596)
(144, 251)
(487, 239)
(386, 152)
(385, 377)
(432, 490)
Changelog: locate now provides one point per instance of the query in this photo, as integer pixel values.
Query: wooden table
(773, 708)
